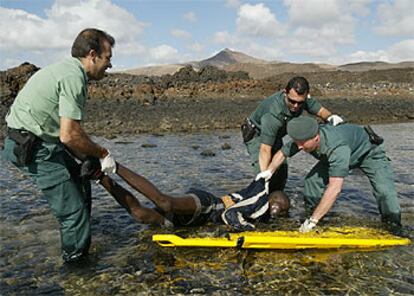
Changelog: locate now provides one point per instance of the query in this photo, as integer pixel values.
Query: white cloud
(27, 31)
(190, 16)
(360, 55)
(258, 21)
(360, 7)
(233, 3)
(304, 37)
(313, 13)
(318, 13)
(309, 48)
(260, 51)
(396, 18)
(56, 32)
(196, 47)
(164, 53)
(180, 33)
(401, 51)
(10, 62)
(130, 48)
(64, 20)
(318, 27)
(222, 37)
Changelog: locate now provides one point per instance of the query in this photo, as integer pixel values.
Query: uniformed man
(339, 149)
(44, 122)
(266, 126)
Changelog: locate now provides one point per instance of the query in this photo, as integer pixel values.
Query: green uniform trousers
(376, 166)
(278, 180)
(57, 175)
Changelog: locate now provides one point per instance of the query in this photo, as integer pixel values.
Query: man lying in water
(196, 207)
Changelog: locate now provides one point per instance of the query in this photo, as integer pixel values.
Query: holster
(25, 141)
(248, 130)
(374, 138)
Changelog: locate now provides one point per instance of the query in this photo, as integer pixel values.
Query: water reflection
(125, 261)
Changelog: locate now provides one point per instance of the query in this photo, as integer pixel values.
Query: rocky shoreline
(111, 119)
(190, 101)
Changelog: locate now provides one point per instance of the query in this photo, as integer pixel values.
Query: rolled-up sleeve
(339, 161)
(72, 98)
(313, 106)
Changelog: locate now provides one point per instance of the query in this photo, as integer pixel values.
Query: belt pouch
(24, 145)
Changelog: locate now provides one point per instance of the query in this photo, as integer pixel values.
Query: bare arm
(181, 205)
(329, 197)
(145, 187)
(74, 137)
(265, 156)
(277, 160)
(324, 113)
(131, 204)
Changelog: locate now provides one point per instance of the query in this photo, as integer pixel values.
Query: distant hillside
(228, 57)
(366, 66)
(260, 71)
(222, 59)
(154, 70)
(230, 60)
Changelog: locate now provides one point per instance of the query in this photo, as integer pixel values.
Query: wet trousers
(69, 196)
(376, 166)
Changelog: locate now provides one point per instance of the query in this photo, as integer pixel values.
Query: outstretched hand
(108, 164)
(335, 119)
(308, 225)
(266, 175)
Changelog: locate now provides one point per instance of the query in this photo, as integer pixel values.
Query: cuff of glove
(334, 116)
(313, 220)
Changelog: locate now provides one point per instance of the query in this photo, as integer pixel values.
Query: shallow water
(125, 261)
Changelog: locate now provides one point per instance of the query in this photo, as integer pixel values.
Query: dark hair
(90, 39)
(299, 84)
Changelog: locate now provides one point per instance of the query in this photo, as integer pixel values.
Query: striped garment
(250, 204)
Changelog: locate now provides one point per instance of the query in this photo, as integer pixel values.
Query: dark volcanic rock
(147, 145)
(210, 73)
(123, 104)
(225, 146)
(208, 152)
(185, 75)
(12, 81)
(144, 93)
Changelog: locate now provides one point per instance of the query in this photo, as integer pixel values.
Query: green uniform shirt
(343, 147)
(272, 115)
(58, 90)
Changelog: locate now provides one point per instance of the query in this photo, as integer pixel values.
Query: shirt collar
(80, 65)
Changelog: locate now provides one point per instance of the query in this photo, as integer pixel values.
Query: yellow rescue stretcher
(332, 238)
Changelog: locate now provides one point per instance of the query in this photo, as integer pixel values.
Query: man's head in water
(279, 204)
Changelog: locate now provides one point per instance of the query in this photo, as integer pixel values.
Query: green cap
(302, 128)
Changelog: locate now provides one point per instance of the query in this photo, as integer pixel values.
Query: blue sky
(171, 31)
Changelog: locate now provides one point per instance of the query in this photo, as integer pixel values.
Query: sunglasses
(294, 102)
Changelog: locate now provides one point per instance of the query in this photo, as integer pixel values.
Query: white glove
(335, 119)
(265, 174)
(308, 225)
(108, 164)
